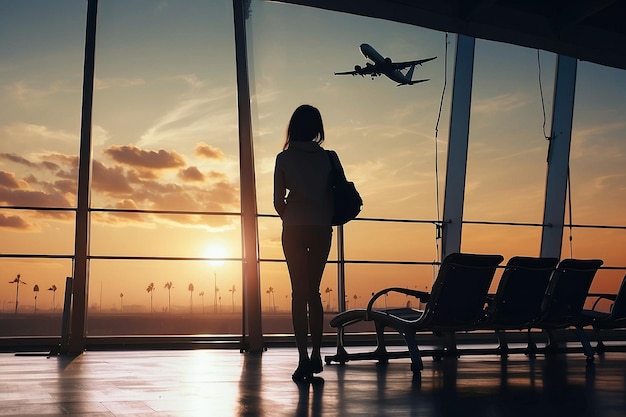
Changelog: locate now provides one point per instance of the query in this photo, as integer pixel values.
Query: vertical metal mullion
(78, 316)
(251, 312)
(456, 168)
(341, 282)
(558, 157)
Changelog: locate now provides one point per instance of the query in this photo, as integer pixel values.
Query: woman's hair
(305, 125)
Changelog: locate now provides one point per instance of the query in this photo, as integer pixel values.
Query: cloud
(191, 174)
(32, 198)
(136, 157)
(498, 104)
(8, 180)
(209, 152)
(191, 119)
(192, 80)
(46, 164)
(17, 159)
(111, 180)
(20, 131)
(14, 222)
(106, 83)
(135, 179)
(28, 95)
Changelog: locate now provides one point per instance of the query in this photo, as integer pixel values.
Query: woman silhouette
(303, 199)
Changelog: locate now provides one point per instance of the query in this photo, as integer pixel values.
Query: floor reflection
(229, 383)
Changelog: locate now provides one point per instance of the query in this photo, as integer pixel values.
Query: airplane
(385, 66)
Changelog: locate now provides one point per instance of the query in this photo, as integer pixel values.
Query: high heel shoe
(302, 372)
(316, 364)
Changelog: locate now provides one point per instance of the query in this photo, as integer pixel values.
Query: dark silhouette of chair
(615, 318)
(455, 303)
(564, 301)
(517, 303)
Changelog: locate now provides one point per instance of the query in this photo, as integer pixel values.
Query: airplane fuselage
(372, 54)
(381, 65)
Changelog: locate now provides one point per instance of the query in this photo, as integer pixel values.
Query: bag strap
(336, 166)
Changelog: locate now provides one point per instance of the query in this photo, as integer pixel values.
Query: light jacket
(302, 192)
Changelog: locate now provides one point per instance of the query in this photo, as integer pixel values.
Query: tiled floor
(229, 383)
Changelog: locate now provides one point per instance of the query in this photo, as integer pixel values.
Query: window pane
(598, 195)
(41, 74)
(506, 163)
(33, 305)
(187, 236)
(164, 297)
(41, 44)
(166, 140)
(384, 134)
(165, 121)
(43, 232)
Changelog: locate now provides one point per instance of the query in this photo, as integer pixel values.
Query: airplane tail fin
(409, 73)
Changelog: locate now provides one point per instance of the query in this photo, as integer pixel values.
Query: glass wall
(165, 186)
(383, 133)
(165, 222)
(597, 175)
(511, 110)
(42, 47)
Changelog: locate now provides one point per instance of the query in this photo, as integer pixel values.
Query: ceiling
(592, 30)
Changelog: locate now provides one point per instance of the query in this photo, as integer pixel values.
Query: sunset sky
(165, 138)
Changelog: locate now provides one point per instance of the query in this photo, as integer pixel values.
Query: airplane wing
(413, 82)
(368, 70)
(403, 65)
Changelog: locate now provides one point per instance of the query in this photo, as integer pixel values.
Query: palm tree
(121, 301)
(150, 290)
(232, 291)
(169, 287)
(190, 288)
(17, 282)
(328, 290)
(355, 298)
(53, 288)
(36, 291)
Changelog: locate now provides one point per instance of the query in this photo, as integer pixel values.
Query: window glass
(41, 73)
(384, 134)
(597, 174)
(144, 297)
(506, 163)
(165, 140)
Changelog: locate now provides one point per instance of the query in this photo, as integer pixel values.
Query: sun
(215, 253)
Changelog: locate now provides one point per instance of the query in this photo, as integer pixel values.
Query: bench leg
(381, 347)
(416, 357)
(584, 340)
(503, 347)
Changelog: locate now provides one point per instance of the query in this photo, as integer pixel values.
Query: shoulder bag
(347, 201)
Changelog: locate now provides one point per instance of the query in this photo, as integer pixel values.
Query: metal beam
(252, 340)
(457, 145)
(558, 157)
(80, 291)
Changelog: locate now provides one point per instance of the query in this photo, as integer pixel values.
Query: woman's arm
(279, 189)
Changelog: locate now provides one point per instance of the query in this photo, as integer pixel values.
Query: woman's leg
(318, 255)
(296, 254)
(306, 250)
